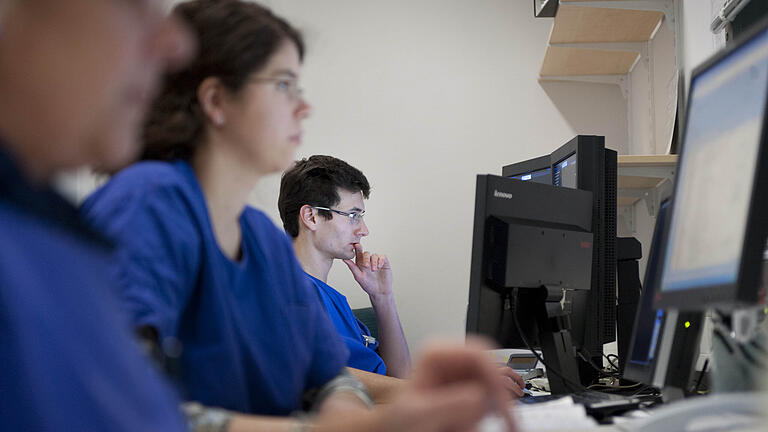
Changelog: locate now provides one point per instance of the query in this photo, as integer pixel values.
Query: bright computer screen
(543, 176)
(565, 173)
(717, 169)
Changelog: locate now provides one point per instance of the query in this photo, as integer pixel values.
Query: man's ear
(308, 217)
(210, 95)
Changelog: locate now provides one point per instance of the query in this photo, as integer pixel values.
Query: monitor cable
(603, 371)
(575, 387)
(587, 359)
(613, 387)
(701, 376)
(608, 357)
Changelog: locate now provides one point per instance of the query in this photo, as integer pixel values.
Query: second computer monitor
(665, 344)
(720, 214)
(649, 321)
(584, 163)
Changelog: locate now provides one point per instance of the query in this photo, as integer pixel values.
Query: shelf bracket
(656, 195)
(652, 197)
(627, 217)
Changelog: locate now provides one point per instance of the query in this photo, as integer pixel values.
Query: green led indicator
(687, 324)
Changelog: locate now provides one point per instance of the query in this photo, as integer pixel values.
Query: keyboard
(597, 404)
(598, 401)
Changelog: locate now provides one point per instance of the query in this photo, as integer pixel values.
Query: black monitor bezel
(559, 161)
(592, 156)
(634, 371)
(577, 146)
(738, 294)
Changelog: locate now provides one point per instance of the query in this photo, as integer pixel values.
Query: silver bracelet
(361, 394)
(347, 383)
(206, 419)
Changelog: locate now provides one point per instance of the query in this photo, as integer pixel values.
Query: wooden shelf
(578, 24)
(612, 38)
(646, 160)
(561, 61)
(644, 171)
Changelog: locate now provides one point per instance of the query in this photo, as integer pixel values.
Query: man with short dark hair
(321, 205)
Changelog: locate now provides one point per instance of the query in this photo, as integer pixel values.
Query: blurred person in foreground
(75, 79)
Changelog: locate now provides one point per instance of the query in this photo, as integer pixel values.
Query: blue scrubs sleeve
(158, 257)
(329, 353)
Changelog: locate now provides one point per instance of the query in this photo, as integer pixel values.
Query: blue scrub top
(68, 360)
(351, 329)
(253, 333)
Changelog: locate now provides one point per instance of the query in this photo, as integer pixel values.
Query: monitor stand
(552, 327)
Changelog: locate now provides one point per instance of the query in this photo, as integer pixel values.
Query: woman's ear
(307, 218)
(210, 95)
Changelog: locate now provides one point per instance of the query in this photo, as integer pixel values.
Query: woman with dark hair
(214, 279)
(198, 268)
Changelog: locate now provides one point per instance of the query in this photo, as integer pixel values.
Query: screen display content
(717, 169)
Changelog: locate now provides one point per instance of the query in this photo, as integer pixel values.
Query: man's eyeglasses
(288, 86)
(354, 217)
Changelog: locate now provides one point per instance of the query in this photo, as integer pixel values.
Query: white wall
(699, 42)
(422, 96)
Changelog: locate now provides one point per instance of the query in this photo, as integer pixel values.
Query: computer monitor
(719, 219)
(649, 321)
(593, 167)
(584, 163)
(531, 250)
(665, 344)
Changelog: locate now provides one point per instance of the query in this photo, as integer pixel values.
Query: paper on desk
(560, 414)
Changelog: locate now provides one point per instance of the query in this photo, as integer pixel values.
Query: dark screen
(649, 321)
